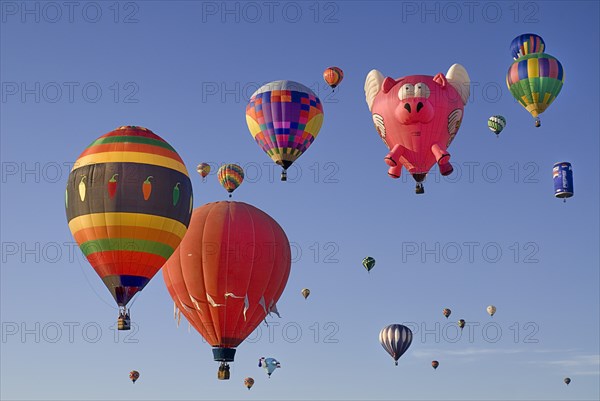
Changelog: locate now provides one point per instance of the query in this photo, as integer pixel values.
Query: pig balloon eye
(421, 90)
(406, 91)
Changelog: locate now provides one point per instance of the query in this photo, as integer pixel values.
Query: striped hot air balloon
(395, 339)
(525, 44)
(284, 118)
(128, 204)
(535, 80)
(230, 177)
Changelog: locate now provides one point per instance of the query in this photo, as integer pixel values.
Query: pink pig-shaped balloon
(417, 117)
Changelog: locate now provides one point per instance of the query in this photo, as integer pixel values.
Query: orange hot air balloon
(228, 273)
(333, 76)
(435, 364)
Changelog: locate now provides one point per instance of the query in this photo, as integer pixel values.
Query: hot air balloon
(491, 310)
(230, 176)
(395, 339)
(535, 78)
(435, 364)
(567, 380)
(496, 124)
(368, 263)
(228, 273)
(562, 175)
(203, 169)
(333, 76)
(134, 375)
(249, 382)
(305, 292)
(446, 312)
(284, 118)
(461, 324)
(128, 204)
(417, 117)
(269, 364)
(525, 44)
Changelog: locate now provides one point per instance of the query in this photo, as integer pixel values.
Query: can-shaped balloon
(562, 174)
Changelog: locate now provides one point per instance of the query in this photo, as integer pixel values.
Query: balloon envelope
(368, 263)
(249, 382)
(567, 381)
(305, 292)
(527, 43)
(284, 118)
(228, 272)
(446, 312)
(128, 204)
(333, 76)
(496, 124)
(269, 364)
(134, 375)
(203, 169)
(230, 176)
(491, 310)
(435, 364)
(535, 80)
(395, 339)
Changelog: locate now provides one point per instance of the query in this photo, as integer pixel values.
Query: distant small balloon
(368, 263)
(447, 312)
(305, 292)
(491, 310)
(249, 382)
(567, 380)
(269, 364)
(496, 124)
(461, 323)
(203, 169)
(230, 176)
(333, 76)
(134, 375)
(435, 364)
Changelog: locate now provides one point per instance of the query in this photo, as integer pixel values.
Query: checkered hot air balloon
(128, 205)
(284, 118)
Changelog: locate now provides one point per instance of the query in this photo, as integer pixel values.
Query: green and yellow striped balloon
(128, 204)
(230, 177)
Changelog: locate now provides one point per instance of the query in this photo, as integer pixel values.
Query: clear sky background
(186, 69)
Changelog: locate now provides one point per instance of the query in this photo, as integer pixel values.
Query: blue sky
(185, 69)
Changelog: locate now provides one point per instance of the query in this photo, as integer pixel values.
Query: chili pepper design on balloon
(147, 187)
(112, 186)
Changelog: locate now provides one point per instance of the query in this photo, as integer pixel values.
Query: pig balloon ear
(388, 84)
(440, 79)
(459, 79)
